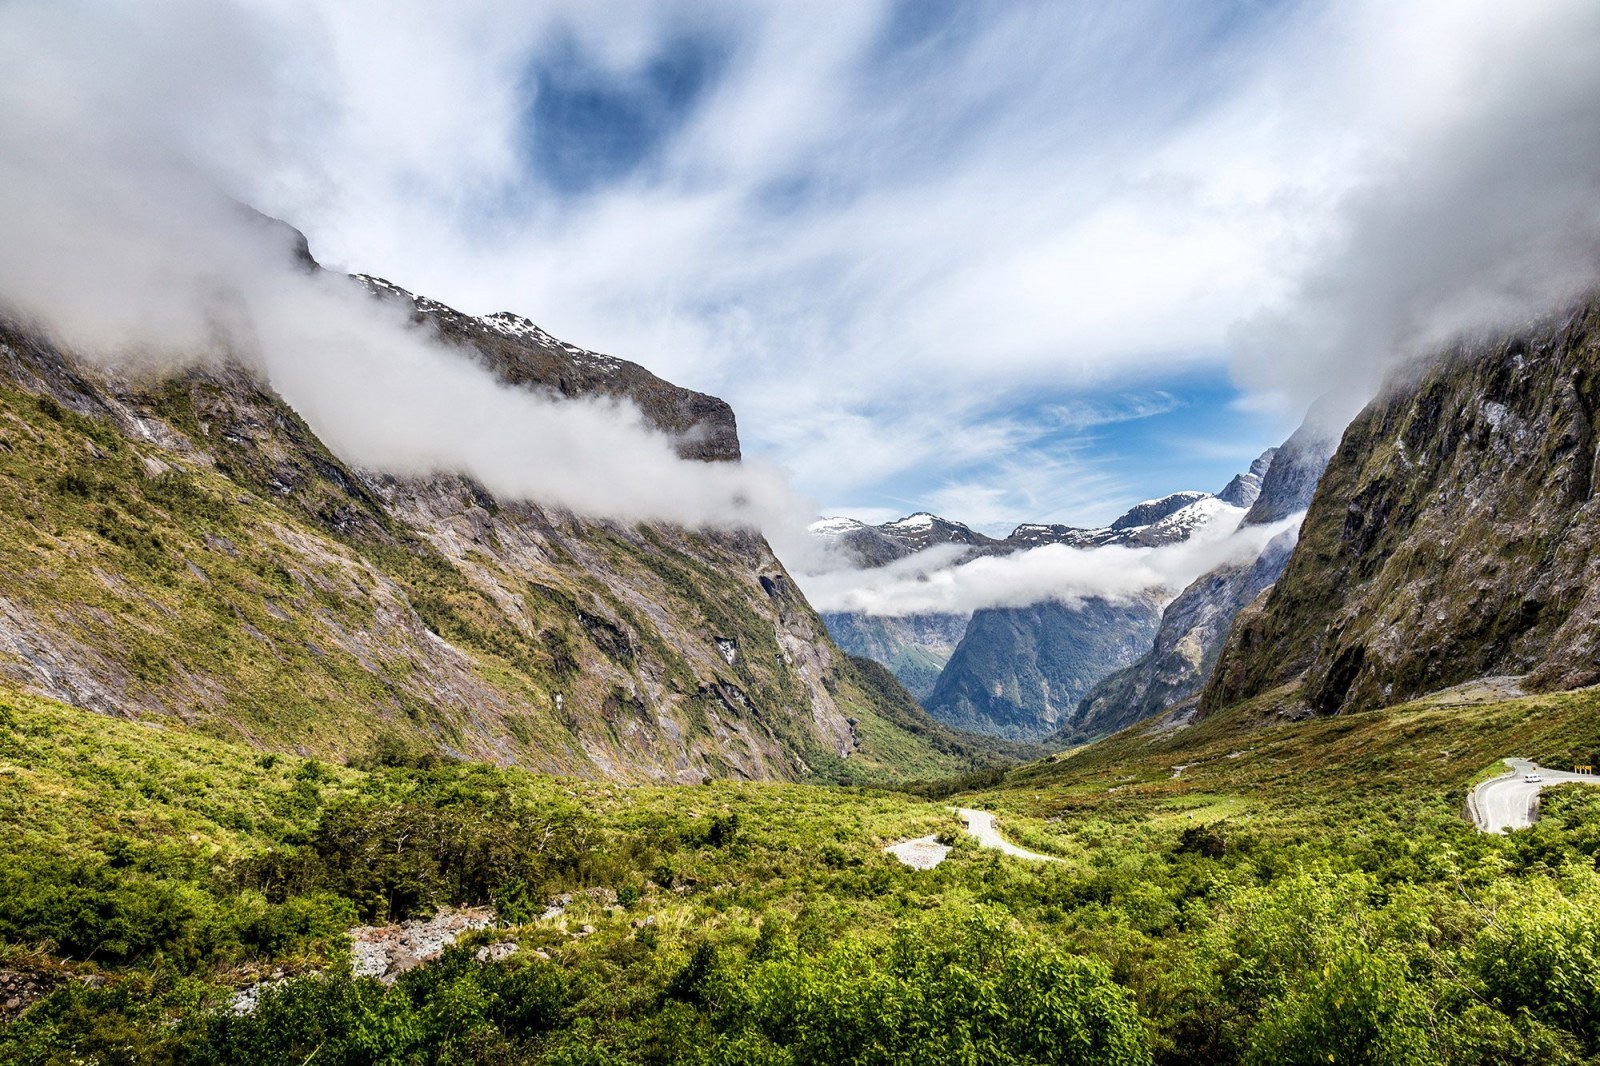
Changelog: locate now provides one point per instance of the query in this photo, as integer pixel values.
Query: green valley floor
(1243, 890)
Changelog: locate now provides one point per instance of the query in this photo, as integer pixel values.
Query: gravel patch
(923, 853)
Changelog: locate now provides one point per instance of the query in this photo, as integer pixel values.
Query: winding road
(981, 825)
(1509, 802)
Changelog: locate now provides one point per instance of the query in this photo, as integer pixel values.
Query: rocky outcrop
(1021, 672)
(1452, 537)
(914, 647)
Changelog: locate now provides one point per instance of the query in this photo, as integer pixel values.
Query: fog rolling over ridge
(1471, 225)
(135, 259)
(197, 280)
(948, 579)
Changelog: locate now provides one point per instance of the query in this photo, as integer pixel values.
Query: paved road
(1509, 802)
(981, 825)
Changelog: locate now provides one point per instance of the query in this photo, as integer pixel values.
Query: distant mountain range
(1021, 672)
(1166, 520)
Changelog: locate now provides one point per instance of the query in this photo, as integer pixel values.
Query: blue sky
(590, 127)
(1010, 261)
(1062, 449)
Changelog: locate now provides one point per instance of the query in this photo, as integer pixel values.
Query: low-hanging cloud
(1474, 209)
(936, 581)
(128, 255)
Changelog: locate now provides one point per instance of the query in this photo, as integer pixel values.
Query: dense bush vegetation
(1299, 917)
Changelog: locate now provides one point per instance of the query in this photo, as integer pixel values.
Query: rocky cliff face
(187, 546)
(915, 647)
(1453, 536)
(1187, 643)
(1195, 625)
(1021, 672)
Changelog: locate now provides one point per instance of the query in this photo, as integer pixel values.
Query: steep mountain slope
(914, 647)
(1021, 672)
(187, 546)
(1453, 536)
(1196, 624)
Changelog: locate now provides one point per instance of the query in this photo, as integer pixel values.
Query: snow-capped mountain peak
(834, 526)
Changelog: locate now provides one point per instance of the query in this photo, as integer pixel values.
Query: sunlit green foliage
(1274, 906)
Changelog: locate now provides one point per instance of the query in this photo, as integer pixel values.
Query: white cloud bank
(936, 582)
(877, 252)
(877, 242)
(128, 255)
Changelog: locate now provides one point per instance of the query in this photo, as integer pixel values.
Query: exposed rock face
(522, 354)
(1244, 489)
(1453, 536)
(1192, 631)
(1195, 625)
(1021, 672)
(188, 546)
(915, 647)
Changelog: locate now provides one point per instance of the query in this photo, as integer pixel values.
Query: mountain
(184, 547)
(1245, 488)
(1452, 537)
(1021, 672)
(522, 355)
(1186, 645)
(868, 546)
(1018, 672)
(1195, 625)
(1150, 524)
(915, 647)
(1167, 520)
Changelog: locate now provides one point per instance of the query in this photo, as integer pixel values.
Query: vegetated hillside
(1195, 625)
(186, 546)
(148, 873)
(1310, 891)
(1305, 892)
(1021, 672)
(1453, 536)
